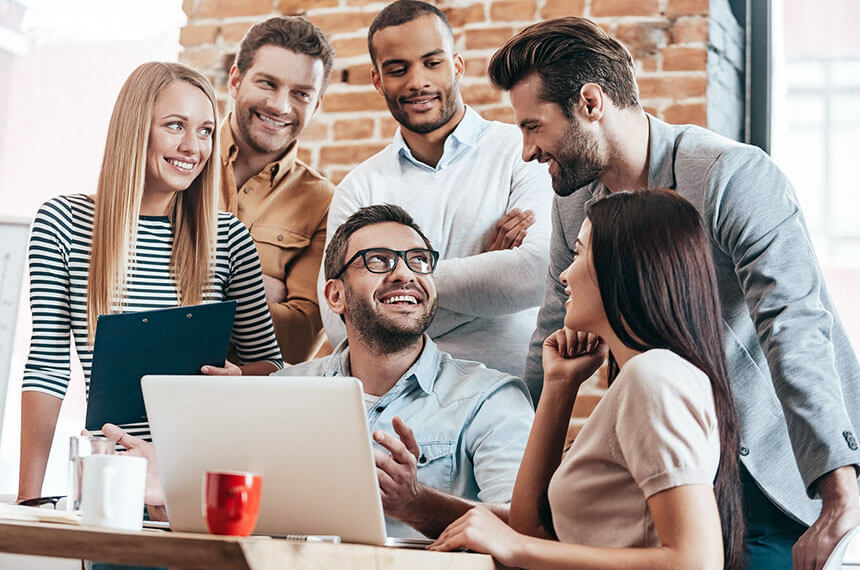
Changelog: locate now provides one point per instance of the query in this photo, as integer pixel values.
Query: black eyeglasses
(384, 260)
(39, 501)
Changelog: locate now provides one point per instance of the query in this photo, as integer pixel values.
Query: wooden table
(179, 550)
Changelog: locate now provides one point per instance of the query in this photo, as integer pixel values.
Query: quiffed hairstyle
(335, 253)
(193, 214)
(294, 33)
(652, 259)
(567, 53)
(399, 13)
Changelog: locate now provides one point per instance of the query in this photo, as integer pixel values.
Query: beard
(262, 144)
(578, 160)
(381, 332)
(449, 103)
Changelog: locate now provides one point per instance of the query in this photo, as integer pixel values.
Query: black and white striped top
(59, 258)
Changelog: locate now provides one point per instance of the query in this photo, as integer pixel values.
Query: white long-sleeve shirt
(487, 300)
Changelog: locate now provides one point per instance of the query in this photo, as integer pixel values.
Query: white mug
(113, 490)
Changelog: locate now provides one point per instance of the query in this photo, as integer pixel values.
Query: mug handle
(108, 476)
(237, 511)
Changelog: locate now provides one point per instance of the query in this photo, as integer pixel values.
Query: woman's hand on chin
(571, 356)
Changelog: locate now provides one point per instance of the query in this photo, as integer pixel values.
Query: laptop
(306, 436)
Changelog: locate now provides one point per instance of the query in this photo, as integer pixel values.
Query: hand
(397, 471)
(276, 291)
(840, 513)
(229, 369)
(137, 447)
(572, 356)
(511, 230)
(482, 531)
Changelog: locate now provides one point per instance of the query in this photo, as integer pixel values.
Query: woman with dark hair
(645, 484)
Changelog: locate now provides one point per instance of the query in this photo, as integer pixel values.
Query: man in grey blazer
(794, 374)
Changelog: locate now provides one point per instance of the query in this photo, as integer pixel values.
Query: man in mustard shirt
(277, 83)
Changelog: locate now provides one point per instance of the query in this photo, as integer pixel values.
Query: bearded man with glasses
(450, 433)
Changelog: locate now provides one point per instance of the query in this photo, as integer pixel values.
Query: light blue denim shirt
(471, 422)
(462, 138)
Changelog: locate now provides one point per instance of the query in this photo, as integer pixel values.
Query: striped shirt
(59, 259)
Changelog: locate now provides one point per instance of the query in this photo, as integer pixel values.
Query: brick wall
(668, 39)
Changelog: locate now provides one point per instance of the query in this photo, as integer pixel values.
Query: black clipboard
(128, 346)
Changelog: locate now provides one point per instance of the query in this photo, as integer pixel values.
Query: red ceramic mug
(231, 501)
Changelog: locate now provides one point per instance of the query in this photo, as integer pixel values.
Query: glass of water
(81, 446)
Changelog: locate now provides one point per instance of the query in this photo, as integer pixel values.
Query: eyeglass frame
(398, 253)
(39, 501)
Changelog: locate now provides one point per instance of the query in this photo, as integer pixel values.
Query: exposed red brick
(231, 8)
(488, 37)
(316, 131)
(196, 35)
(584, 405)
(652, 110)
(305, 155)
(335, 175)
(358, 2)
(684, 113)
(512, 10)
(353, 129)
(573, 430)
(480, 94)
(368, 100)
(348, 47)
(201, 58)
(342, 22)
(459, 16)
(674, 87)
(677, 8)
(476, 67)
(502, 113)
(387, 126)
(646, 63)
(359, 74)
(680, 58)
(613, 8)
(559, 8)
(348, 154)
(234, 32)
(288, 7)
(689, 29)
(642, 38)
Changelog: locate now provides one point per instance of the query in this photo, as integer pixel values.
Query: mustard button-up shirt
(285, 207)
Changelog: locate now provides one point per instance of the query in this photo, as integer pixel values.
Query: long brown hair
(657, 280)
(120, 190)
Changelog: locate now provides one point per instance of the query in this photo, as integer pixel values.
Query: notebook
(177, 340)
(306, 436)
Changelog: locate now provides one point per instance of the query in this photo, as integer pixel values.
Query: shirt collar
(424, 370)
(661, 162)
(464, 136)
(276, 169)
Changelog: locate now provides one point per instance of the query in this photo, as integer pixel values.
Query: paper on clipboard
(128, 346)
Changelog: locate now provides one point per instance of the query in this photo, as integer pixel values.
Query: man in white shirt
(464, 181)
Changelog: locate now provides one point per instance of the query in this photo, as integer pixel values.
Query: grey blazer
(794, 375)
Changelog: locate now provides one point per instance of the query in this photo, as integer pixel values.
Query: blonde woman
(150, 238)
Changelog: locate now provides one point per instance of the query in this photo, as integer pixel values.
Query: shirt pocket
(277, 246)
(436, 465)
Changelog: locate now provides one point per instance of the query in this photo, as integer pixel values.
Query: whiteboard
(14, 233)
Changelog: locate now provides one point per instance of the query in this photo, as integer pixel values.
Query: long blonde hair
(120, 191)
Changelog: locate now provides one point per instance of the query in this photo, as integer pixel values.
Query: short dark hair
(399, 13)
(567, 53)
(295, 33)
(335, 253)
(656, 276)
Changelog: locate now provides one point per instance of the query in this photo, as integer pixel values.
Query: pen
(334, 539)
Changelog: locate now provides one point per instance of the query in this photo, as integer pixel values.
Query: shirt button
(422, 460)
(849, 439)
(246, 190)
(379, 409)
(280, 237)
(744, 451)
